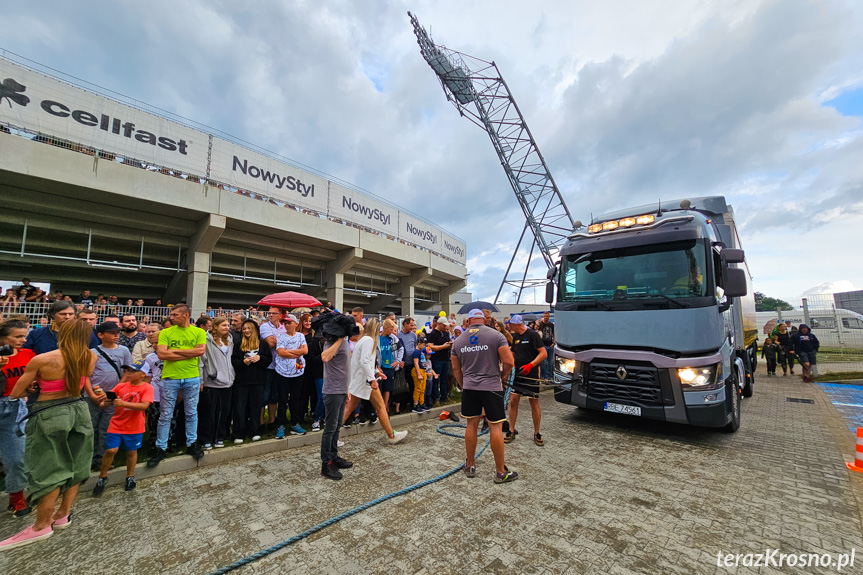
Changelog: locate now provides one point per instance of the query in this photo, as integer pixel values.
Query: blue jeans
(440, 386)
(547, 366)
(191, 388)
(12, 411)
(319, 408)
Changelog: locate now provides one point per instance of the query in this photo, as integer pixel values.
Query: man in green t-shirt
(179, 347)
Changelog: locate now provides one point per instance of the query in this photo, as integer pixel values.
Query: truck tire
(732, 394)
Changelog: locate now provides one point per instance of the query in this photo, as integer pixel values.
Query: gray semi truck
(655, 315)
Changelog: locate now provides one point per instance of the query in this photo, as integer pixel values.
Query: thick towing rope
(278, 546)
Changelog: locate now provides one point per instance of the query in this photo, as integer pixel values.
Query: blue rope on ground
(269, 550)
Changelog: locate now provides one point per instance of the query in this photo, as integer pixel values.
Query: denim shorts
(129, 441)
(806, 357)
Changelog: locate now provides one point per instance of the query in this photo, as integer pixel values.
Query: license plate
(625, 409)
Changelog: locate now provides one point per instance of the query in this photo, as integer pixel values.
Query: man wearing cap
(290, 368)
(270, 332)
(529, 353)
(477, 356)
(441, 344)
(110, 357)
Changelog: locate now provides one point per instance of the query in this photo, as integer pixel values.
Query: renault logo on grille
(621, 372)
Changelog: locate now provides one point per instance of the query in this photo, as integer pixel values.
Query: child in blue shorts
(126, 429)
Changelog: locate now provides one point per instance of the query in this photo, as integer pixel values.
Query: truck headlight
(565, 365)
(700, 378)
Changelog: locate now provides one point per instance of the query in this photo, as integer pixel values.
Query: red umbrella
(290, 299)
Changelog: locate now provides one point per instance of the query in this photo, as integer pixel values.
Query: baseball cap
(516, 320)
(474, 313)
(107, 327)
(290, 317)
(134, 366)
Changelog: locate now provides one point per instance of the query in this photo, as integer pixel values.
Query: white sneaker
(397, 437)
(238, 441)
(208, 446)
(340, 443)
(316, 426)
(256, 438)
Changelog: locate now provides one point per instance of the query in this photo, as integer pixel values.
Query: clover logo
(11, 90)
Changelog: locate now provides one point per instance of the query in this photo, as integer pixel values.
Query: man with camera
(335, 329)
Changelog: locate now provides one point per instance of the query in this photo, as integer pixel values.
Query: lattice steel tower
(467, 80)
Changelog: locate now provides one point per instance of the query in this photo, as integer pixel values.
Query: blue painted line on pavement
(848, 400)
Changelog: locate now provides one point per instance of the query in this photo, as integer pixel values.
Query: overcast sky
(629, 102)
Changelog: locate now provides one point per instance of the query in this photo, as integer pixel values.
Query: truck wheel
(732, 393)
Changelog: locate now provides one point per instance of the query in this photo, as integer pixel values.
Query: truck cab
(654, 315)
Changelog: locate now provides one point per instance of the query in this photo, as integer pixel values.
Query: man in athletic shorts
(529, 353)
(477, 356)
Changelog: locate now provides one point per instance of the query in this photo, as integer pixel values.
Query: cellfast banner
(43, 104)
(248, 170)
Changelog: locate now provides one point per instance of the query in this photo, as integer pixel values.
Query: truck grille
(640, 384)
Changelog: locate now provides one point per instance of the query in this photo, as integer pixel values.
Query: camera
(333, 326)
(6, 350)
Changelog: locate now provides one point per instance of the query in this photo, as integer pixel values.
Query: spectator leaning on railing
(45, 340)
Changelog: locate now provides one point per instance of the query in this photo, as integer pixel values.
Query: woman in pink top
(59, 444)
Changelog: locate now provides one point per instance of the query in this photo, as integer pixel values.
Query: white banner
(43, 104)
(255, 172)
(453, 248)
(362, 209)
(419, 232)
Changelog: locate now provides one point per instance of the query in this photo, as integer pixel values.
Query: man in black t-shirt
(546, 330)
(441, 344)
(529, 352)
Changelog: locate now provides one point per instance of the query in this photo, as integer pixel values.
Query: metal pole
(806, 313)
(24, 239)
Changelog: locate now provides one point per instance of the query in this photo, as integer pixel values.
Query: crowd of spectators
(165, 384)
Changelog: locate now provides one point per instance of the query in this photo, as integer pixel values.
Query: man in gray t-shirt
(481, 361)
(337, 376)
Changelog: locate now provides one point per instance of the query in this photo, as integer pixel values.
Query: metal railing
(839, 332)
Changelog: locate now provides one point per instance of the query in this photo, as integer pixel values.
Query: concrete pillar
(334, 275)
(408, 301)
(200, 249)
(407, 288)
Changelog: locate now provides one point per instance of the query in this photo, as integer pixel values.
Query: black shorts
(474, 401)
(387, 384)
(526, 387)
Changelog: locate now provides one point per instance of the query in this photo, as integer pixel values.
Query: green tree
(764, 303)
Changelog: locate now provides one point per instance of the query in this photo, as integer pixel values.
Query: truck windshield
(668, 271)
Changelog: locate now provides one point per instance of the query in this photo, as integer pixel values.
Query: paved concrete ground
(607, 494)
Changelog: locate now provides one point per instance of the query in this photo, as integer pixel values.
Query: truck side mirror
(549, 292)
(732, 256)
(735, 282)
(552, 271)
